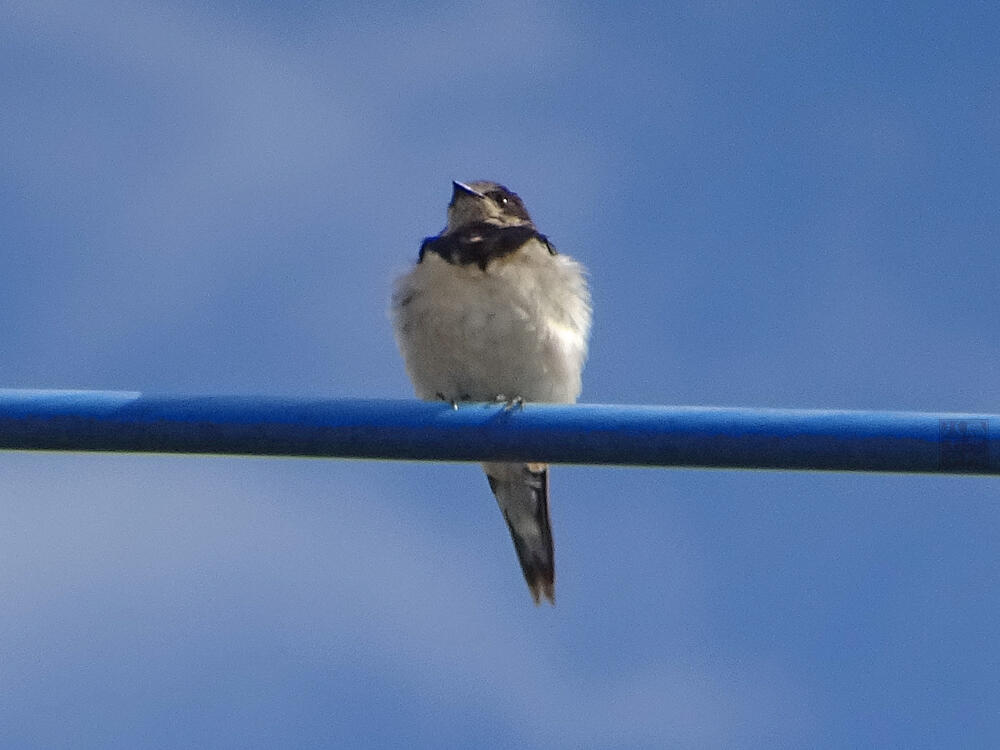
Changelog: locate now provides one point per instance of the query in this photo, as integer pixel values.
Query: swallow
(491, 312)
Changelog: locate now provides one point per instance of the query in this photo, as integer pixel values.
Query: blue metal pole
(582, 433)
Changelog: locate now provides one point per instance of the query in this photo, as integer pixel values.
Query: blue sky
(780, 204)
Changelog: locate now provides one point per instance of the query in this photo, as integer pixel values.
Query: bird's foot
(510, 403)
(453, 402)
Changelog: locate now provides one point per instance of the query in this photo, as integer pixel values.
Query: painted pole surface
(686, 436)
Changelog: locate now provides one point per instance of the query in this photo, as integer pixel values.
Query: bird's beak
(461, 187)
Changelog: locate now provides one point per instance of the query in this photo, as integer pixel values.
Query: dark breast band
(480, 243)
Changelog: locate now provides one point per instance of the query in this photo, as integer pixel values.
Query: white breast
(519, 328)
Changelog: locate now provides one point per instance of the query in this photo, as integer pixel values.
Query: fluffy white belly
(519, 328)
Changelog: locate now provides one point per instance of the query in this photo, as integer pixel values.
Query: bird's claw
(510, 403)
(453, 402)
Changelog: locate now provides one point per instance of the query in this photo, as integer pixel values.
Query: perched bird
(491, 312)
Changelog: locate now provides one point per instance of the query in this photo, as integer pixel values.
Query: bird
(492, 312)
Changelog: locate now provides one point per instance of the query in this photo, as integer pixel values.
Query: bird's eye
(499, 197)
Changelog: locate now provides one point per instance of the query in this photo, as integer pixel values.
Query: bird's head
(489, 202)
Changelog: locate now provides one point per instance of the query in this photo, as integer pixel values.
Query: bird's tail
(522, 492)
